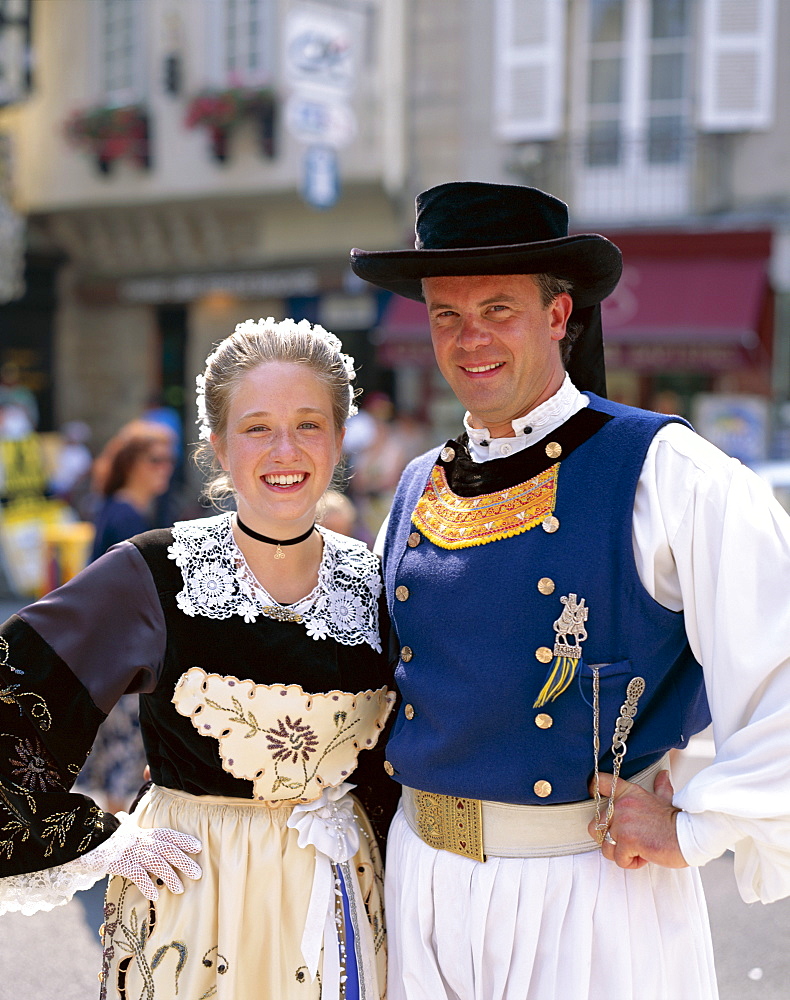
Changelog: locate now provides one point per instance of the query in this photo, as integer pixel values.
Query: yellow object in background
(66, 548)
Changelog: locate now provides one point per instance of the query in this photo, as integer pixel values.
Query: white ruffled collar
(218, 583)
(530, 428)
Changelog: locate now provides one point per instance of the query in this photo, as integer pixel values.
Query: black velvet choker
(279, 554)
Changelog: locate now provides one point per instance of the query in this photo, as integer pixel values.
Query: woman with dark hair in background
(133, 469)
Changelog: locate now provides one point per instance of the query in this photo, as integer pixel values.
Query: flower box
(220, 111)
(112, 133)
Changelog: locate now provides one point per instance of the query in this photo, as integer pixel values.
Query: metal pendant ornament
(570, 634)
(622, 728)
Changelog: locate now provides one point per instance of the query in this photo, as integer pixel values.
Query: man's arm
(710, 540)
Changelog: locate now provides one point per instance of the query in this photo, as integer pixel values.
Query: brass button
(543, 654)
(389, 768)
(406, 653)
(408, 711)
(546, 585)
(541, 788)
(402, 593)
(553, 449)
(414, 539)
(447, 454)
(550, 524)
(543, 721)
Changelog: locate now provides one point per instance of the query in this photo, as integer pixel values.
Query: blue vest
(474, 620)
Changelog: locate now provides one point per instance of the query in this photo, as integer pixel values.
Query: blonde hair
(257, 343)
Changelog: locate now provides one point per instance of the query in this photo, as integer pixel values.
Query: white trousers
(567, 928)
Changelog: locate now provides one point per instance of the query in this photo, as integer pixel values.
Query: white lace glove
(145, 855)
(134, 853)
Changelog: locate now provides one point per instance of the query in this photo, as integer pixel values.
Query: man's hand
(643, 825)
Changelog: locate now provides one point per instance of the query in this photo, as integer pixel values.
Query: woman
(132, 471)
(254, 640)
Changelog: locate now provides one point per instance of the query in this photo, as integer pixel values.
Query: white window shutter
(529, 69)
(738, 52)
(14, 54)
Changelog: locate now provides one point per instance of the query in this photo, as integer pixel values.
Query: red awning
(694, 301)
(404, 319)
(403, 335)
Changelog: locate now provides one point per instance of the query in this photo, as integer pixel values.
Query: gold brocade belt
(476, 828)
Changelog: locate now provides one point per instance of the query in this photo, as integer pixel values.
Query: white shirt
(711, 540)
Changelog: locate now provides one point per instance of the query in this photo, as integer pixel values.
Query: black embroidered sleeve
(47, 725)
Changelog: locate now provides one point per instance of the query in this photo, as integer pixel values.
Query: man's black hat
(471, 228)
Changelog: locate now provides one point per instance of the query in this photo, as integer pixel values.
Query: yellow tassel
(552, 687)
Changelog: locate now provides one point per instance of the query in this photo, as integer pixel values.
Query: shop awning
(697, 301)
(403, 335)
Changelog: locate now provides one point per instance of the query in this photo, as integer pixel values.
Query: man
(577, 586)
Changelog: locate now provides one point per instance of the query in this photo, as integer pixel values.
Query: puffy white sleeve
(710, 539)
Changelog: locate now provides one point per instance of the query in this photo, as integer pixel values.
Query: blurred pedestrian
(133, 469)
(378, 465)
(17, 402)
(339, 513)
(71, 477)
(168, 505)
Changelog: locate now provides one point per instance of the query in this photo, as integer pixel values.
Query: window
(638, 86)
(248, 42)
(121, 48)
(14, 50)
(634, 114)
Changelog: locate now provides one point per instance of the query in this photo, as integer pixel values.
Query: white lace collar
(218, 583)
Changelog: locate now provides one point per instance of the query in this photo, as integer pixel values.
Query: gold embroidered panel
(454, 522)
(289, 743)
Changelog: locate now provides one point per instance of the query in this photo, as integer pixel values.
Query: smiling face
(280, 448)
(496, 344)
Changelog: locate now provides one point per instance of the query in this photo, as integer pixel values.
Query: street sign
(314, 119)
(321, 178)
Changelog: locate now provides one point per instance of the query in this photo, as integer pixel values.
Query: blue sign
(321, 177)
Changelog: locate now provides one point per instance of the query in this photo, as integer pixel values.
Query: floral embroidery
(18, 825)
(128, 932)
(313, 745)
(212, 585)
(4, 657)
(455, 522)
(11, 695)
(56, 827)
(292, 740)
(219, 961)
(317, 629)
(218, 583)
(33, 768)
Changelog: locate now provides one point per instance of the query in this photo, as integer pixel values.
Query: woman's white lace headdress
(285, 327)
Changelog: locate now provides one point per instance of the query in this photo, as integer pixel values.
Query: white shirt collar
(532, 427)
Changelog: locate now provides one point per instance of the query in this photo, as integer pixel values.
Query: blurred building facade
(184, 164)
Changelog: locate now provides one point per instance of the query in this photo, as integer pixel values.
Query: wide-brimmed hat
(470, 227)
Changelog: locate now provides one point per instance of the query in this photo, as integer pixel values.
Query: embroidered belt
(476, 828)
